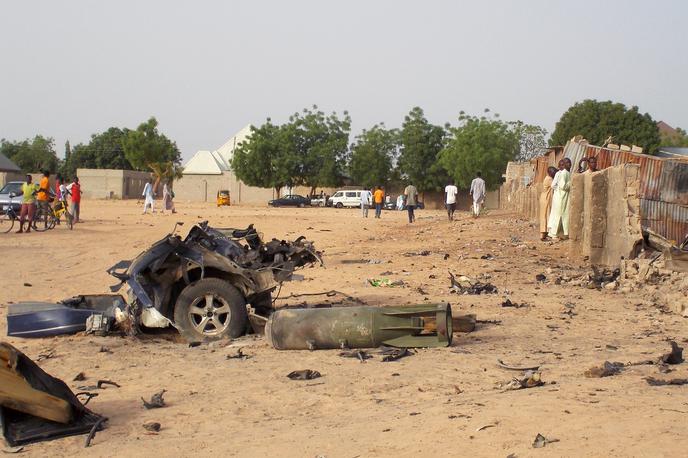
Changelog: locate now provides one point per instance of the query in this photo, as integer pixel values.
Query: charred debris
(208, 285)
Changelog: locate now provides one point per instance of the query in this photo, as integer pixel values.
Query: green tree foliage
(145, 147)
(104, 151)
(421, 143)
(320, 146)
(479, 145)
(266, 159)
(531, 140)
(35, 155)
(678, 139)
(310, 149)
(373, 155)
(597, 121)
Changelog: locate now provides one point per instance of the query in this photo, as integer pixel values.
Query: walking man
(28, 207)
(478, 193)
(411, 195)
(75, 190)
(366, 197)
(167, 199)
(379, 198)
(450, 192)
(148, 196)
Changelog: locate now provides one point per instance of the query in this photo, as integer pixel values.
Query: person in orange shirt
(43, 197)
(378, 198)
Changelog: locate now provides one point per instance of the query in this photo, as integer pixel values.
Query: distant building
(208, 172)
(665, 130)
(9, 171)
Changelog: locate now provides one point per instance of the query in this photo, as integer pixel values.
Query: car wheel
(339, 205)
(210, 309)
(301, 205)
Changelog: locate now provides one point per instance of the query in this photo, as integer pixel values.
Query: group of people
(376, 197)
(554, 199)
(39, 196)
(149, 198)
(409, 199)
(477, 191)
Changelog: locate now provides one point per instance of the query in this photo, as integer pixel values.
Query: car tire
(210, 309)
(339, 205)
(301, 205)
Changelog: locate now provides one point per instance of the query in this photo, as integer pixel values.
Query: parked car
(392, 205)
(317, 201)
(11, 194)
(292, 200)
(345, 198)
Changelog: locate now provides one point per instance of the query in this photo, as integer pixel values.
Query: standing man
(592, 165)
(366, 197)
(478, 193)
(411, 195)
(43, 196)
(450, 192)
(148, 196)
(75, 190)
(546, 202)
(378, 198)
(28, 207)
(559, 215)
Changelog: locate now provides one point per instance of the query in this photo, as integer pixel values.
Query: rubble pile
(651, 281)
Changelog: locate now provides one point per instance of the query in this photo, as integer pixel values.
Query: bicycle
(8, 218)
(47, 219)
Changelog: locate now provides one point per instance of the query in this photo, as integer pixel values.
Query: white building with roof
(209, 172)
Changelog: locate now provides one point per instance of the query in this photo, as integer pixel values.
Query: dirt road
(438, 402)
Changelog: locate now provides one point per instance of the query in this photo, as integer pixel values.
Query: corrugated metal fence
(662, 187)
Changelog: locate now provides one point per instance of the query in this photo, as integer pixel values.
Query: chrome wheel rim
(210, 315)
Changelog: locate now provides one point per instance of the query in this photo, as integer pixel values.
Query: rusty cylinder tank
(360, 327)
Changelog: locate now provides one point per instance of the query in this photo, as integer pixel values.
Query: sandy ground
(432, 403)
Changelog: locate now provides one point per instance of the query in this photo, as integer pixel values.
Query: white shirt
(451, 192)
(478, 189)
(366, 197)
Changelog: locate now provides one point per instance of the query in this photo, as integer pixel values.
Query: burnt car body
(207, 284)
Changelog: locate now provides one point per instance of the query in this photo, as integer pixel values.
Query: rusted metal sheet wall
(670, 220)
(662, 187)
(674, 179)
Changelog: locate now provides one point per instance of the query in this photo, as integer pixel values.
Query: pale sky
(205, 69)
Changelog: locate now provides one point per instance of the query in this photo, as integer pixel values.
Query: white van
(346, 198)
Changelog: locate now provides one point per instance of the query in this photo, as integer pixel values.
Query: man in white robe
(559, 215)
(148, 197)
(478, 193)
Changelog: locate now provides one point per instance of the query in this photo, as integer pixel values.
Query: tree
(147, 149)
(531, 140)
(597, 121)
(320, 145)
(68, 151)
(479, 145)
(104, 151)
(373, 155)
(37, 154)
(421, 143)
(265, 159)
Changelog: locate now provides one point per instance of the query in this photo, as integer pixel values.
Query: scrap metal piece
(360, 327)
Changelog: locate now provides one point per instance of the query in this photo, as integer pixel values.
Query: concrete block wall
(111, 183)
(604, 218)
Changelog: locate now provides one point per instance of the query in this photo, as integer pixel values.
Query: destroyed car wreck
(208, 285)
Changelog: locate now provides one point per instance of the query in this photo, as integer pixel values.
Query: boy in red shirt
(75, 190)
